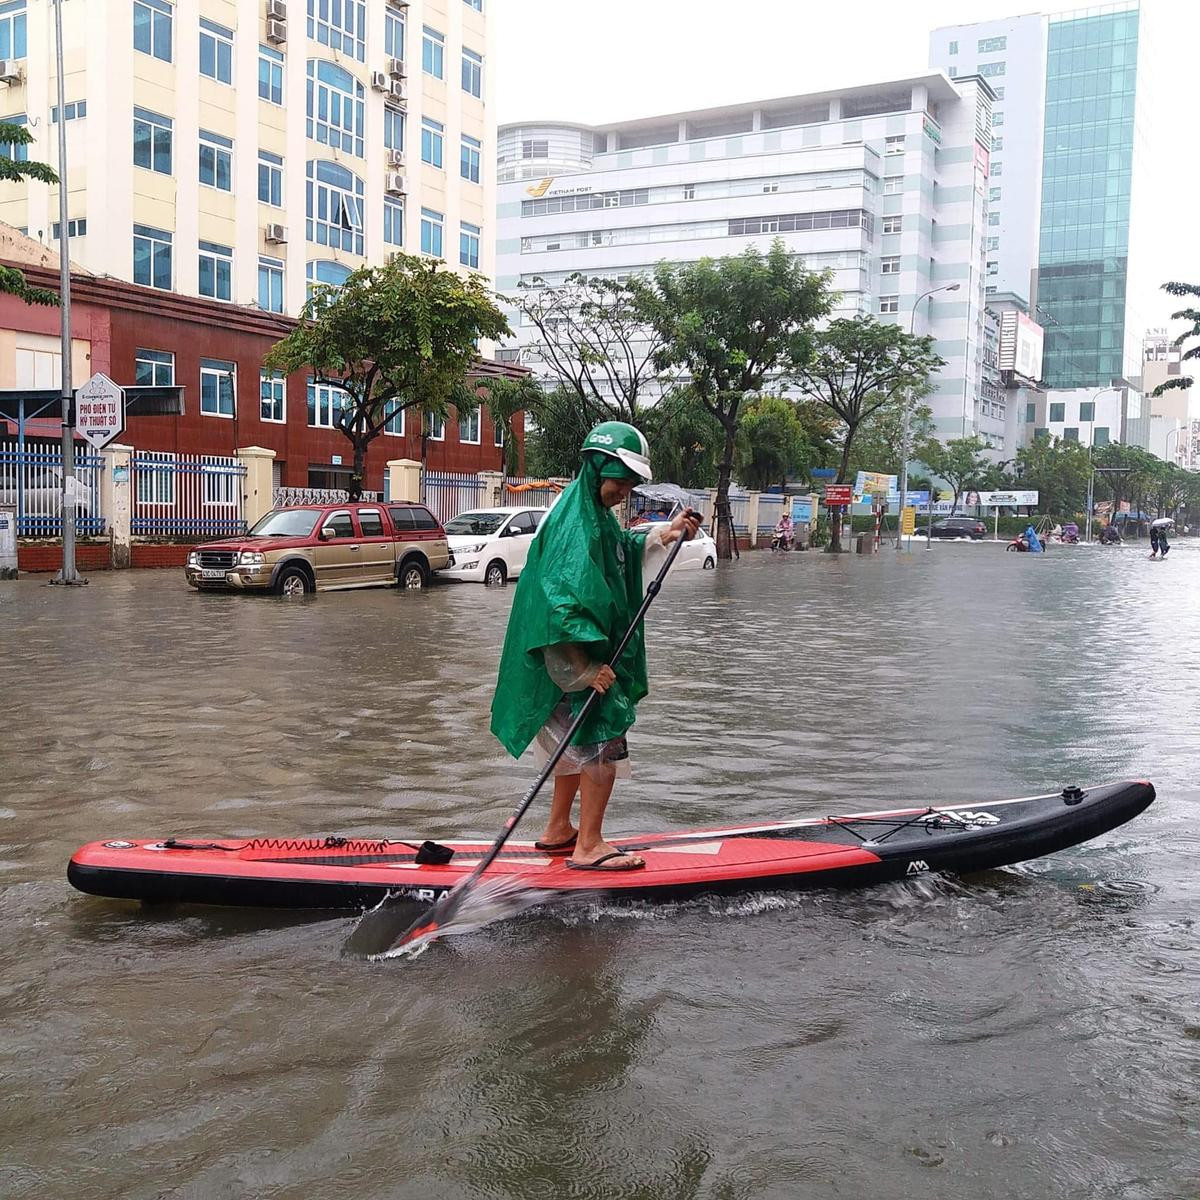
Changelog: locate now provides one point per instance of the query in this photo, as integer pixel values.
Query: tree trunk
(725, 535)
(356, 480)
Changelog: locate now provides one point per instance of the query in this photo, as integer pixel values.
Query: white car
(490, 545)
(700, 552)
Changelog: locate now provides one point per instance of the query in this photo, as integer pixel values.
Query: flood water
(1027, 1033)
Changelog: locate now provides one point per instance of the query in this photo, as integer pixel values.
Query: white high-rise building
(241, 149)
(885, 185)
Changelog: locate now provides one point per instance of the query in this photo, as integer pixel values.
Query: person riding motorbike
(784, 535)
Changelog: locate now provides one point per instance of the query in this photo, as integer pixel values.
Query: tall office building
(885, 185)
(243, 149)
(1065, 144)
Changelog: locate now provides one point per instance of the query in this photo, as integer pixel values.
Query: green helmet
(625, 445)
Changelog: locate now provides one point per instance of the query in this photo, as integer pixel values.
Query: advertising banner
(1012, 499)
(802, 510)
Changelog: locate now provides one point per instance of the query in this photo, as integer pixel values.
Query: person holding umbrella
(1158, 537)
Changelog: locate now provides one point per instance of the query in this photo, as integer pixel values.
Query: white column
(258, 488)
(116, 501)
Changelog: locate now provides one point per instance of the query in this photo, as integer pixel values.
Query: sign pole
(68, 574)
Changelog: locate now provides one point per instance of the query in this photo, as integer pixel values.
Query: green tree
(857, 367)
(1192, 314)
(960, 462)
(726, 326)
(878, 444)
(507, 398)
(553, 442)
(770, 444)
(16, 170)
(1058, 471)
(392, 338)
(685, 440)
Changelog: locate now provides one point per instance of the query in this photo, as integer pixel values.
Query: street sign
(838, 494)
(802, 510)
(100, 411)
(908, 521)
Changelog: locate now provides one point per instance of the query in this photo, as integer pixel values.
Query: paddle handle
(593, 696)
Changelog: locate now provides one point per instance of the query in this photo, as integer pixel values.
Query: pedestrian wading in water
(577, 595)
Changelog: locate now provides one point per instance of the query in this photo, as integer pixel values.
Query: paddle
(379, 930)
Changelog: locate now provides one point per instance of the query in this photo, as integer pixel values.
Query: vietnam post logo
(538, 190)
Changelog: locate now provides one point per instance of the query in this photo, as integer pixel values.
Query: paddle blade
(394, 929)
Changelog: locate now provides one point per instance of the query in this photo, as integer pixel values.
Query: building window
(1100, 435)
(993, 218)
(468, 429)
(151, 28)
(270, 284)
(1087, 410)
(889, 304)
(1030, 412)
(993, 195)
(892, 224)
(433, 53)
(395, 423)
(216, 161)
(216, 271)
(270, 179)
(76, 228)
(393, 32)
(17, 151)
(999, 92)
(992, 44)
(468, 163)
(953, 48)
(889, 266)
(218, 393)
(472, 73)
(689, 191)
(216, 51)
(468, 245)
(996, 169)
(335, 107)
(272, 392)
(893, 185)
(1040, 432)
(991, 70)
(894, 145)
(393, 222)
(431, 232)
(436, 428)
(845, 218)
(431, 141)
(1071, 433)
(535, 148)
(1058, 412)
(154, 368)
(74, 111)
(993, 267)
(325, 273)
(339, 24)
(334, 207)
(152, 257)
(997, 144)
(497, 433)
(993, 243)
(997, 118)
(151, 141)
(477, 5)
(270, 75)
(393, 128)
(325, 402)
(952, 71)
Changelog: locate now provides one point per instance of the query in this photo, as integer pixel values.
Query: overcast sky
(606, 60)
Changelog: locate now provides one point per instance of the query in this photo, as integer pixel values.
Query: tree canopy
(1192, 314)
(771, 445)
(18, 170)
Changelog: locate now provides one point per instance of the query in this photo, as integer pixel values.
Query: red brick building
(139, 335)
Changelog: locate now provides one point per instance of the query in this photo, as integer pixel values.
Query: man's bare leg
(558, 826)
(595, 787)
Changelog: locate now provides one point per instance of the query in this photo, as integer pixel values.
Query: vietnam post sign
(1015, 499)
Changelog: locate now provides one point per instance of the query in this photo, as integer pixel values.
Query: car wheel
(293, 581)
(413, 575)
(496, 574)
(710, 563)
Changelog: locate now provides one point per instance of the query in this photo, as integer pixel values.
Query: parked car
(490, 545)
(293, 551)
(957, 527)
(699, 553)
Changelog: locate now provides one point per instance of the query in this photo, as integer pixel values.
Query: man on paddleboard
(578, 593)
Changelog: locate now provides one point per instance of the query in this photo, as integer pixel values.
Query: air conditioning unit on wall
(394, 183)
(396, 68)
(11, 71)
(380, 81)
(276, 234)
(276, 10)
(277, 32)
(397, 89)
(396, 159)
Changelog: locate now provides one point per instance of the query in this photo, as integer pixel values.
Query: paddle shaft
(593, 696)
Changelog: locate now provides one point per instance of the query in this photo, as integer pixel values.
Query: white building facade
(244, 149)
(886, 186)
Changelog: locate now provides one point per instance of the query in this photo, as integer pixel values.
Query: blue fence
(31, 479)
(187, 495)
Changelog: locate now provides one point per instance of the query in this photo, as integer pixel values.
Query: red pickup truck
(294, 551)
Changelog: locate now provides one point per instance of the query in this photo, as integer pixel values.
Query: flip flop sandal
(557, 847)
(599, 864)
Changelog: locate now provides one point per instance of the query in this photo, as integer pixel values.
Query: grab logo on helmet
(600, 439)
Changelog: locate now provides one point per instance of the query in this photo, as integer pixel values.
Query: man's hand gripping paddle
(380, 932)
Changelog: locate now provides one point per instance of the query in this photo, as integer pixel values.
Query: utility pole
(912, 324)
(68, 574)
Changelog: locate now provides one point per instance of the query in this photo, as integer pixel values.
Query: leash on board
(380, 929)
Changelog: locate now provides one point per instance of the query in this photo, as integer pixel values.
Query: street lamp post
(912, 325)
(1176, 431)
(1091, 492)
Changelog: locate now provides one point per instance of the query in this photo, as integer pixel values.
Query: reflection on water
(1030, 1032)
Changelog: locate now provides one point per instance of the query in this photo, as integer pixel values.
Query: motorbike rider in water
(784, 534)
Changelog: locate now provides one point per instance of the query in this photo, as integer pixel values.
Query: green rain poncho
(581, 584)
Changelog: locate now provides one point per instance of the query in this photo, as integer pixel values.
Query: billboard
(1028, 357)
(1000, 499)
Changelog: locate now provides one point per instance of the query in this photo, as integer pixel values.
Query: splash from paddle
(382, 932)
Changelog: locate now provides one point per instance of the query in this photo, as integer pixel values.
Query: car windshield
(469, 524)
(286, 522)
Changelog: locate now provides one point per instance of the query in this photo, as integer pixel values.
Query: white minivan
(490, 545)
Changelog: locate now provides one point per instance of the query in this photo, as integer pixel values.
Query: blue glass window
(472, 73)
(270, 178)
(272, 391)
(216, 271)
(335, 107)
(152, 257)
(393, 128)
(216, 51)
(468, 245)
(431, 232)
(152, 141)
(334, 207)
(218, 393)
(432, 138)
(17, 151)
(151, 28)
(393, 32)
(433, 53)
(270, 284)
(154, 368)
(468, 163)
(393, 222)
(339, 24)
(270, 75)
(216, 161)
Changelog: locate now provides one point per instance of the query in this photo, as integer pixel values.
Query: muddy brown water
(1033, 1032)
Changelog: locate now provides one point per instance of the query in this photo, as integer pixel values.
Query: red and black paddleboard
(846, 851)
